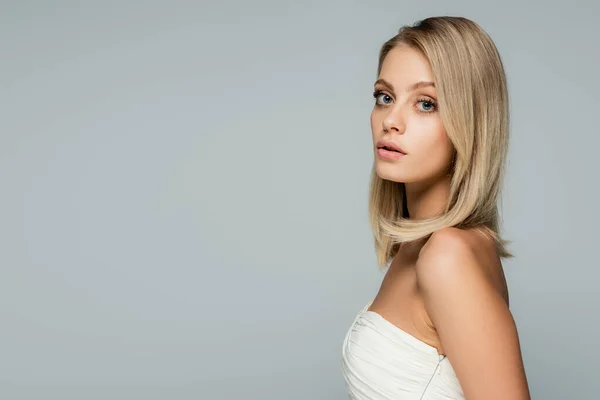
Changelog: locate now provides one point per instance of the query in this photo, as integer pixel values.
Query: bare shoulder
(446, 254)
(473, 321)
(468, 253)
(457, 240)
(450, 248)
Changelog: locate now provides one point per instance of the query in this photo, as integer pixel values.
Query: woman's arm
(475, 326)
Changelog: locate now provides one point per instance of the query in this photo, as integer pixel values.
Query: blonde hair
(473, 104)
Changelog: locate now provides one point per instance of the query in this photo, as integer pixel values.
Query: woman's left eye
(429, 105)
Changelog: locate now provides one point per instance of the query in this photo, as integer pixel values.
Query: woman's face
(406, 114)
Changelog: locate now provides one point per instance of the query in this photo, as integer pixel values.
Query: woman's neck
(426, 200)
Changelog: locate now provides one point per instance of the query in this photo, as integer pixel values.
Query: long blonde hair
(473, 103)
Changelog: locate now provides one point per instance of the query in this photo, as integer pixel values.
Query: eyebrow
(408, 88)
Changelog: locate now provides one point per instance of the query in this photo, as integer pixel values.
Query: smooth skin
(448, 291)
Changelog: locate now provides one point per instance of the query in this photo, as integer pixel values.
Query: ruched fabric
(380, 361)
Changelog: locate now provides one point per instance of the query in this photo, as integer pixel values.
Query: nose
(394, 121)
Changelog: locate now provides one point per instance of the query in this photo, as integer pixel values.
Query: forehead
(404, 64)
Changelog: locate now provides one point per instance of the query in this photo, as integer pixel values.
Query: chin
(405, 174)
(389, 173)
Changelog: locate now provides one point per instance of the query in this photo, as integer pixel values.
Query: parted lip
(389, 145)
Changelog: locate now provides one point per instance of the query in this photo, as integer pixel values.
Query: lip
(389, 155)
(389, 144)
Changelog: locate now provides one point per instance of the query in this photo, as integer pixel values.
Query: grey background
(184, 193)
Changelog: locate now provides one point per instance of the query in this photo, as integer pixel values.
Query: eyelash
(378, 93)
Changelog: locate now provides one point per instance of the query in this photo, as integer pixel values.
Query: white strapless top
(380, 361)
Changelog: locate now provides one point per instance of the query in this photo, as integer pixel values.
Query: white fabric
(380, 361)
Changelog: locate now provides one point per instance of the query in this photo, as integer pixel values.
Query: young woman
(440, 325)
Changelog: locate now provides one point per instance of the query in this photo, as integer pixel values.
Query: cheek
(428, 135)
(445, 145)
(433, 148)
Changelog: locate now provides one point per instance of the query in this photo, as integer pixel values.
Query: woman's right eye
(382, 98)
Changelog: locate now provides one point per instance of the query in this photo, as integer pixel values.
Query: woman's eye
(428, 105)
(382, 98)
